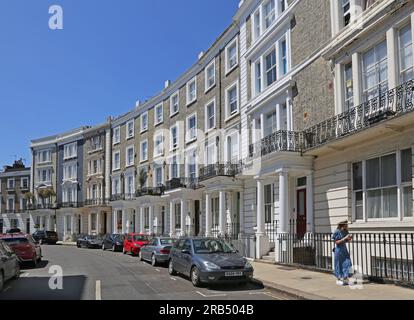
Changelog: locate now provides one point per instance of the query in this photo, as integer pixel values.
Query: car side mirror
(185, 251)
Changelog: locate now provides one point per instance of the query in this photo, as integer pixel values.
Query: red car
(25, 247)
(133, 243)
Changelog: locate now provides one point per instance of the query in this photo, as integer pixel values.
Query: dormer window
(346, 12)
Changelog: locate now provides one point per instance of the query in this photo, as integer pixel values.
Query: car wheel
(153, 260)
(103, 247)
(1, 281)
(171, 270)
(195, 277)
(17, 275)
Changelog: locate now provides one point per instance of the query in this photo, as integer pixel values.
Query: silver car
(157, 250)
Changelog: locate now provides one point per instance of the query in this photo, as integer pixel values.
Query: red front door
(301, 213)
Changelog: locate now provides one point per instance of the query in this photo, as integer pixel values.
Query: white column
(172, 219)
(260, 209)
(356, 79)
(289, 113)
(392, 58)
(339, 97)
(136, 229)
(310, 228)
(141, 220)
(262, 125)
(72, 224)
(89, 223)
(114, 222)
(124, 229)
(222, 212)
(151, 219)
(208, 215)
(241, 217)
(283, 201)
(184, 212)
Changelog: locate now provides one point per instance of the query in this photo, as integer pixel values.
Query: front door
(197, 217)
(301, 213)
(104, 222)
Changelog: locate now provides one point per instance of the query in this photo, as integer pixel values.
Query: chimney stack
(167, 84)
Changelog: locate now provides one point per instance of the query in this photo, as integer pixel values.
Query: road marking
(7, 289)
(211, 295)
(273, 296)
(26, 274)
(158, 270)
(98, 290)
(173, 279)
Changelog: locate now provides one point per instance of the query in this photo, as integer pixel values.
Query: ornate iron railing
(70, 204)
(278, 141)
(149, 191)
(389, 105)
(95, 202)
(177, 183)
(219, 170)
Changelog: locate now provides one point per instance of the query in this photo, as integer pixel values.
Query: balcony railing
(391, 104)
(178, 183)
(95, 202)
(117, 197)
(219, 170)
(37, 206)
(149, 191)
(276, 142)
(70, 204)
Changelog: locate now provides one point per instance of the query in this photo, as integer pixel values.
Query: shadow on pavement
(26, 265)
(249, 286)
(37, 288)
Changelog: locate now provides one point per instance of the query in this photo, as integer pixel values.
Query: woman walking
(343, 262)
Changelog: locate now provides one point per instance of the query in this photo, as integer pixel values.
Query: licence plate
(233, 274)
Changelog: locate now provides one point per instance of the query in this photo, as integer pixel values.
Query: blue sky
(109, 54)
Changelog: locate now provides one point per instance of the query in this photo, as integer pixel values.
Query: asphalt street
(105, 275)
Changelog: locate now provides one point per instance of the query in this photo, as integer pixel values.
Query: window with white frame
(158, 173)
(233, 148)
(268, 203)
(192, 164)
(44, 175)
(269, 12)
(174, 104)
(385, 178)
(210, 75)
(348, 87)
(270, 125)
(257, 25)
(211, 154)
(159, 114)
(130, 156)
(191, 128)
(232, 55)
(232, 100)
(174, 167)
(346, 12)
(130, 184)
(144, 150)
(158, 145)
(70, 150)
(116, 136)
(375, 71)
(210, 115)
(95, 166)
(10, 184)
(144, 122)
(24, 183)
(192, 90)
(70, 172)
(174, 137)
(270, 67)
(284, 69)
(95, 143)
(116, 161)
(405, 48)
(44, 156)
(10, 203)
(116, 185)
(69, 194)
(215, 212)
(130, 129)
(258, 76)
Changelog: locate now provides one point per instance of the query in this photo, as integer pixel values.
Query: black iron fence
(390, 104)
(377, 256)
(219, 170)
(177, 183)
(282, 140)
(148, 191)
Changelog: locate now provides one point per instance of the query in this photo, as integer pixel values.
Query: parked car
(9, 264)
(208, 260)
(157, 250)
(113, 241)
(134, 242)
(49, 237)
(14, 230)
(25, 247)
(89, 242)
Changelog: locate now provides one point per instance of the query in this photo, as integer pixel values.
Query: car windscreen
(207, 246)
(166, 241)
(51, 234)
(118, 237)
(140, 238)
(91, 237)
(15, 241)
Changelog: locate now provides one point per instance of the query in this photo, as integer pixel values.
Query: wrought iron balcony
(70, 204)
(117, 197)
(148, 191)
(276, 142)
(391, 104)
(37, 206)
(95, 202)
(219, 170)
(178, 183)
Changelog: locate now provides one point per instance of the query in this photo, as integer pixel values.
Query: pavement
(94, 274)
(311, 285)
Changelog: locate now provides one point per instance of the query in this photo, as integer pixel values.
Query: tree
(143, 176)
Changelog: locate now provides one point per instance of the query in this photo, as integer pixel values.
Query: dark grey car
(9, 264)
(208, 260)
(157, 250)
